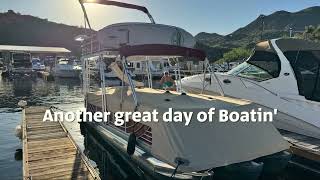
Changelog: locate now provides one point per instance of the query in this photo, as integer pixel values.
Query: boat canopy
(135, 33)
(289, 45)
(161, 50)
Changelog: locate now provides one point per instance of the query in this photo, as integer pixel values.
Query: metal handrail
(134, 94)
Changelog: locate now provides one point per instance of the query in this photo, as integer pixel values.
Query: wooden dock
(49, 152)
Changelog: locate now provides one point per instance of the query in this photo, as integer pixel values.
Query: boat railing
(127, 127)
(243, 80)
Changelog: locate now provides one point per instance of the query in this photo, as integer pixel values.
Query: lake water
(66, 94)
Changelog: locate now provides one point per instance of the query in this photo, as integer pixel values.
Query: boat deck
(49, 152)
(304, 146)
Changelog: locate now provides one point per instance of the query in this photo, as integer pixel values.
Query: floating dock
(49, 152)
(303, 146)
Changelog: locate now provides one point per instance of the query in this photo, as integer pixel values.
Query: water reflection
(39, 92)
(63, 93)
(111, 164)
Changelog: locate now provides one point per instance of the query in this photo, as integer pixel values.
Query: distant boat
(156, 66)
(20, 64)
(37, 65)
(66, 68)
(2, 67)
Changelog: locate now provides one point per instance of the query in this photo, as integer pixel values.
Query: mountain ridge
(17, 29)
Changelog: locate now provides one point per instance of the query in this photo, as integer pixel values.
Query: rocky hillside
(276, 25)
(17, 29)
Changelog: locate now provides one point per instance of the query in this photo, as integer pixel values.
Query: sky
(213, 16)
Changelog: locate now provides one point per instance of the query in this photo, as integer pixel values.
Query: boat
(281, 74)
(37, 65)
(171, 150)
(66, 68)
(156, 66)
(19, 66)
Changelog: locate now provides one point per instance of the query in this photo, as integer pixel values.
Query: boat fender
(18, 132)
(131, 144)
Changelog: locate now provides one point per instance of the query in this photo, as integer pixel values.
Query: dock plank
(49, 152)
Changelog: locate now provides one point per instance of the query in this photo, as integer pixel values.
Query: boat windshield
(261, 66)
(250, 71)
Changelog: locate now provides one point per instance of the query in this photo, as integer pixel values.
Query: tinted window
(306, 65)
(266, 61)
(138, 65)
(250, 71)
(261, 66)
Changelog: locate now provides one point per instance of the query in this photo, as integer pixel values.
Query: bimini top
(132, 34)
(288, 45)
(161, 50)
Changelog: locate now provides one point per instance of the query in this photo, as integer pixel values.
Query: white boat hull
(292, 116)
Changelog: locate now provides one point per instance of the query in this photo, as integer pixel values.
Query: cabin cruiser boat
(281, 74)
(172, 149)
(19, 66)
(66, 68)
(37, 65)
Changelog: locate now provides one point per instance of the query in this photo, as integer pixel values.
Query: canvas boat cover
(131, 34)
(205, 145)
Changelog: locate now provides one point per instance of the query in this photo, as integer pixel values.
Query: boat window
(306, 66)
(255, 73)
(138, 65)
(266, 61)
(260, 66)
